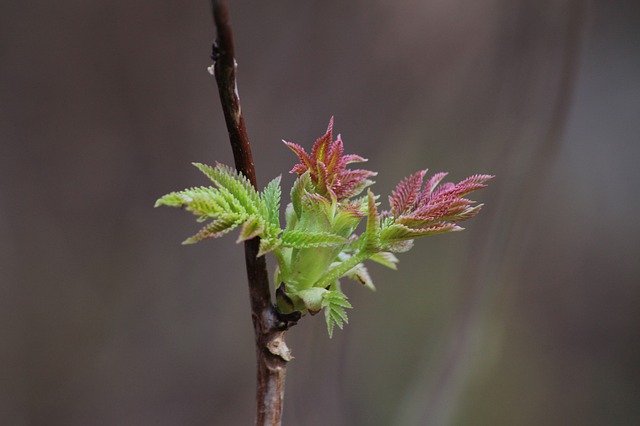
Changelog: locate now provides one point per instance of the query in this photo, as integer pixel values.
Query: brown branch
(269, 326)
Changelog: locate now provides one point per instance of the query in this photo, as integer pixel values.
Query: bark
(269, 326)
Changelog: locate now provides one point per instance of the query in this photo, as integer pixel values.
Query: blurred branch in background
(435, 397)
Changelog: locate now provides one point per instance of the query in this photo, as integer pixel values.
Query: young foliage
(301, 239)
(327, 166)
(334, 303)
(271, 202)
(220, 226)
(320, 243)
(239, 186)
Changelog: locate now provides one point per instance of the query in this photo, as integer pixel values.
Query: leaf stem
(339, 270)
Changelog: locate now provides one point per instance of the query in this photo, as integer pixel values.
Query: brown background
(531, 316)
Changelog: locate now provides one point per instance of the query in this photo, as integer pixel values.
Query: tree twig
(269, 326)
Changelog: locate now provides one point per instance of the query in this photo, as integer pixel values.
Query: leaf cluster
(320, 243)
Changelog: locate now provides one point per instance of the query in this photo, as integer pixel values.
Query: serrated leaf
(234, 182)
(267, 245)
(173, 199)
(252, 227)
(231, 202)
(201, 201)
(346, 219)
(386, 259)
(298, 190)
(271, 200)
(398, 232)
(334, 303)
(406, 192)
(304, 239)
(371, 234)
(313, 298)
(466, 214)
(290, 217)
(400, 246)
(215, 229)
(317, 212)
(360, 274)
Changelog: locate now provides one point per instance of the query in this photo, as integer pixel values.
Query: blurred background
(531, 316)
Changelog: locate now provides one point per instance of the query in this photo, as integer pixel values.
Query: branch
(269, 326)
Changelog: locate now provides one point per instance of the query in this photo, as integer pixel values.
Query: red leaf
(405, 194)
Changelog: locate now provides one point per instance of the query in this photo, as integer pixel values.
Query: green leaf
(397, 232)
(298, 190)
(235, 183)
(386, 259)
(271, 201)
(372, 231)
(290, 217)
(231, 202)
(267, 245)
(218, 227)
(251, 228)
(304, 239)
(334, 303)
(313, 298)
(346, 219)
(316, 213)
(173, 199)
(202, 201)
